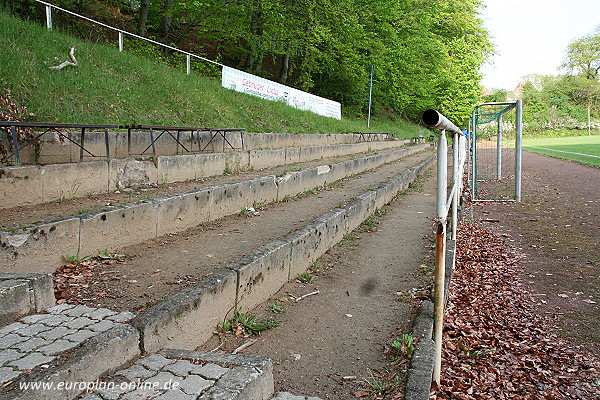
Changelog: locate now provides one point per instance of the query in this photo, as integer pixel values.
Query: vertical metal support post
(82, 144)
(499, 150)
(107, 144)
(455, 172)
(153, 146)
(128, 141)
(121, 42)
(49, 17)
(464, 156)
(518, 148)
(15, 139)
(440, 251)
(188, 63)
(473, 139)
(469, 134)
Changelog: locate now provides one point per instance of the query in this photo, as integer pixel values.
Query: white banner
(241, 81)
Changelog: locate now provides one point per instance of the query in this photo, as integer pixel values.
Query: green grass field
(580, 149)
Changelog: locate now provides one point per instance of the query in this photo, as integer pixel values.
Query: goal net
(495, 132)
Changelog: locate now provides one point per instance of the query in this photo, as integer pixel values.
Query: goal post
(495, 138)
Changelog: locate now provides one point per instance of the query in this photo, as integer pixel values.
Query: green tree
(583, 56)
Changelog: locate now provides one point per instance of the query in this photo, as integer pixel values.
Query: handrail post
(188, 63)
(49, 17)
(440, 251)
(455, 180)
(120, 41)
(153, 145)
(15, 139)
(106, 143)
(473, 156)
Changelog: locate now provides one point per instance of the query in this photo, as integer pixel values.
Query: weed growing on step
(288, 170)
(369, 224)
(259, 205)
(276, 307)
(246, 212)
(389, 382)
(306, 277)
(110, 257)
(73, 258)
(381, 384)
(245, 324)
(402, 347)
(350, 240)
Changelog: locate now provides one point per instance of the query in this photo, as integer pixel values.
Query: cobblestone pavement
(161, 378)
(187, 375)
(36, 340)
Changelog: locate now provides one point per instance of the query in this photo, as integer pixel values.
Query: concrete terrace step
(35, 184)
(23, 294)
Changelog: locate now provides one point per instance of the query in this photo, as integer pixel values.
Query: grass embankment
(109, 87)
(580, 149)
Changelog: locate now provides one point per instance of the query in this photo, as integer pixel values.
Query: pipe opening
(431, 117)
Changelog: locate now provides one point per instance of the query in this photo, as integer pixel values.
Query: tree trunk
(285, 66)
(166, 20)
(255, 56)
(144, 8)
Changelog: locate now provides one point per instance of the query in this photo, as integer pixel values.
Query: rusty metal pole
(440, 251)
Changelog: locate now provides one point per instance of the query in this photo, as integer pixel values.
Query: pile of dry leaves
(81, 281)
(495, 345)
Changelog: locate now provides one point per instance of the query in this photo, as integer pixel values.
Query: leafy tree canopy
(583, 56)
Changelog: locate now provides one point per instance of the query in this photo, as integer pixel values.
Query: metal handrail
(121, 32)
(434, 119)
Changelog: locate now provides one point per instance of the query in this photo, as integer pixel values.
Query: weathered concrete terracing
(35, 184)
(87, 343)
(39, 247)
(53, 149)
(250, 280)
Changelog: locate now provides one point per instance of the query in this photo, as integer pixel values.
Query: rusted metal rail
(175, 131)
(373, 136)
(63, 130)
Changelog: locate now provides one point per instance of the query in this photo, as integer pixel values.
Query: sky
(531, 36)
